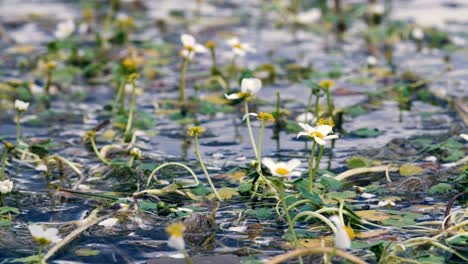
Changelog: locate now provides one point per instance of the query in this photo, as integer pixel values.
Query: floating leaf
(441, 188)
(261, 213)
(225, 193)
(410, 170)
(358, 162)
(373, 215)
(85, 252)
(366, 132)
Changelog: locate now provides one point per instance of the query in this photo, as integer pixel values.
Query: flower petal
(249, 114)
(187, 40)
(324, 129)
(233, 96)
(270, 164)
(331, 137)
(306, 127)
(319, 141)
(293, 164)
(300, 134)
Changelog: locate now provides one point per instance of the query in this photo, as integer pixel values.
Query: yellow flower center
(238, 46)
(176, 229)
(282, 171)
(189, 48)
(317, 134)
(350, 232)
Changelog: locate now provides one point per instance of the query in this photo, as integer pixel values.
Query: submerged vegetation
(300, 132)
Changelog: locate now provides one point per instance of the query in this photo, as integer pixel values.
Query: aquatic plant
(20, 108)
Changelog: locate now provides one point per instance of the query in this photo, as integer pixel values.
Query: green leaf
(377, 249)
(441, 188)
(245, 187)
(410, 170)
(201, 190)
(261, 213)
(358, 162)
(85, 252)
(366, 132)
(341, 195)
(5, 223)
(331, 184)
(354, 111)
(8, 209)
(147, 206)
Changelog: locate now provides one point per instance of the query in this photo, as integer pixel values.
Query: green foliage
(262, 213)
(367, 132)
(441, 188)
(358, 162)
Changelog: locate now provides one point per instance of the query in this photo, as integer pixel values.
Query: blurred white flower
(43, 236)
(371, 61)
(239, 48)
(417, 33)
(376, 9)
(249, 87)
(464, 136)
(282, 169)
(342, 237)
(6, 186)
(109, 222)
(386, 203)
(64, 29)
(190, 46)
(21, 106)
(306, 118)
(176, 239)
(309, 16)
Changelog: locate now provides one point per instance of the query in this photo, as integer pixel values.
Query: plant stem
(309, 101)
(183, 71)
(187, 258)
(120, 97)
(311, 164)
(314, 172)
(98, 154)
(4, 158)
(18, 128)
(39, 253)
(247, 120)
(47, 87)
(316, 110)
(288, 217)
(131, 109)
(330, 104)
(202, 164)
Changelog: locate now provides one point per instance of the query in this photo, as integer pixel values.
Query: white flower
(306, 118)
(43, 236)
(371, 61)
(309, 16)
(282, 169)
(238, 47)
(464, 136)
(21, 106)
(342, 238)
(6, 186)
(431, 159)
(318, 133)
(176, 242)
(376, 9)
(190, 46)
(417, 33)
(249, 87)
(386, 203)
(109, 222)
(64, 29)
(367, 195)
